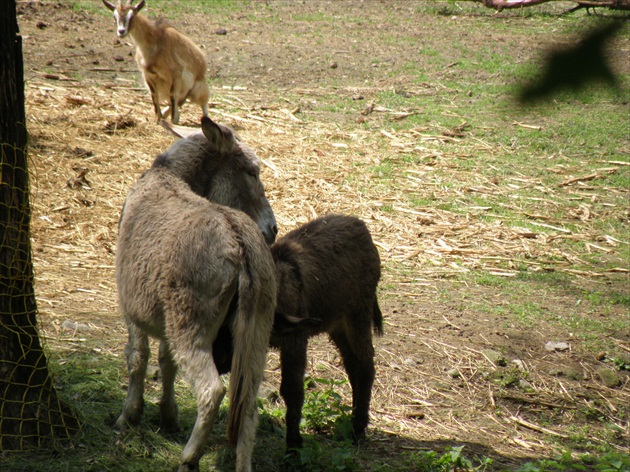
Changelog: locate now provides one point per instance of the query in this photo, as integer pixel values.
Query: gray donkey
(188, 262)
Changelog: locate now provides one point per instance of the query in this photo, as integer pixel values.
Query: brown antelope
(173, 67)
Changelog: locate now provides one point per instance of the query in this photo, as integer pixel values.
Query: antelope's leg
(155, 98)
(174, 111)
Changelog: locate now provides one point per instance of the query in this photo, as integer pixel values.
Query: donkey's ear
(180, 131)
(220, 137)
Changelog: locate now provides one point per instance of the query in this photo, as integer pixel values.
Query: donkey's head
(220, 167)
(123, 14)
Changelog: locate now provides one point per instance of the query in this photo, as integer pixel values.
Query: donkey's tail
(377, 318)
(251, 330)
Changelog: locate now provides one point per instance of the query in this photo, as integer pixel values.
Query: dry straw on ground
(89, 144)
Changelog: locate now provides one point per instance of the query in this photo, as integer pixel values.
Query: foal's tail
(377, 318)
(251, 330)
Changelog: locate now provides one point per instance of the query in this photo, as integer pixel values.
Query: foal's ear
(220, 137)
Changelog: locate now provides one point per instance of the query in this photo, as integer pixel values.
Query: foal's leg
(168, 404)
(293, 363)
(206, 382)
(137, 352)
(357, 351)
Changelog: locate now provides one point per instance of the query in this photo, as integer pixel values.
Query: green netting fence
(31, 412)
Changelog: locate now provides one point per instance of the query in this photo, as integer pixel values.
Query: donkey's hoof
(122, 425)
(170, 426)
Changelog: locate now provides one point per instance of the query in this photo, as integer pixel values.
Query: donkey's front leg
(137, 352)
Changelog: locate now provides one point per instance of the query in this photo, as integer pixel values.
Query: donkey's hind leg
(206, 382)
(137, 352)
(168, 404)
(357, 351)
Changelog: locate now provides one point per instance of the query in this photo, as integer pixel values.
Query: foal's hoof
(294, 445)
(188, 468)
(291, 452)
(291, 460)
(358, 437)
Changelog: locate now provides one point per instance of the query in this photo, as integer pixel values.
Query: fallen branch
(501, 4)
(540, 429)
(588, 177)
(584, 178)
(613, 4)
(523, 125)
(556, 228)
(535, 401)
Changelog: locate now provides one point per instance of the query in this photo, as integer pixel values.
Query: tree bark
(30, 411)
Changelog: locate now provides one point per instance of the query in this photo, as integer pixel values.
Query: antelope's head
(123, 14)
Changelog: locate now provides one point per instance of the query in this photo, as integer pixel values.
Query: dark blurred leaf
(576, 67)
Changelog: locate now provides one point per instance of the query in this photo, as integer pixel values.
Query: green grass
(567, 461)
(91, 383)
(204, 7)
(89, 6)
(170, 9)
(530, 294)
(453, 459)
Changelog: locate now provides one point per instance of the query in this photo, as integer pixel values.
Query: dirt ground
(93, 133)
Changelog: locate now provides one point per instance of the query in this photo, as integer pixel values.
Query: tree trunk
(30, 411)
